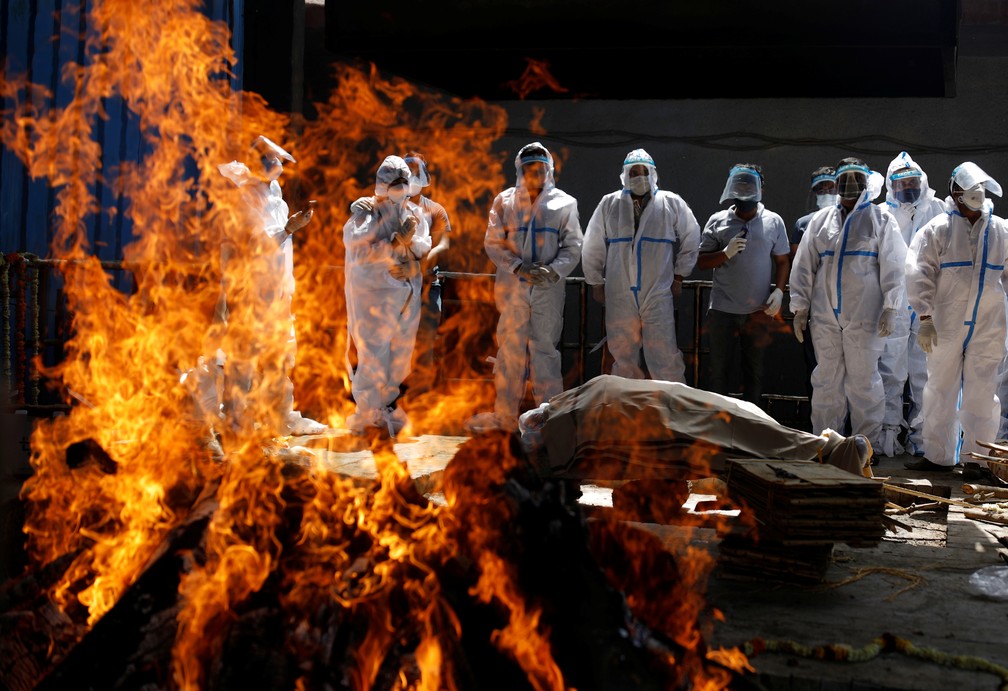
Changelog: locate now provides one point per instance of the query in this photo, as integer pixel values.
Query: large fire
(375, 552)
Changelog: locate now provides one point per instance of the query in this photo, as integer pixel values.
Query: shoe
(981, 475)
(927, 466)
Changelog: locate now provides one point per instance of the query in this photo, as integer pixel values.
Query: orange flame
(169, 64)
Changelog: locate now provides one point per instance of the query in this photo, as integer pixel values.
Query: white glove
(927, 335)
(735, 245)
(800, 323)
(773, 302)
(364, 205)
(886, 322)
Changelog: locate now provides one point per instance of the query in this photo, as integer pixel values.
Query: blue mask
(909, 195)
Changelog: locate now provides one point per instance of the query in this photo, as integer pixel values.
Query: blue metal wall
(37, 39)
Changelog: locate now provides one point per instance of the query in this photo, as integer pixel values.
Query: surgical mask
(397, 194)
(414, 188)
(824, 200)
(745, 205)
(640, 185)
(973, 198)
(910, 195)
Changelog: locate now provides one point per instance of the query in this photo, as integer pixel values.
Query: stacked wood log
(801, 508)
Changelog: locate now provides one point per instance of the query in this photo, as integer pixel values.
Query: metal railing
(35, 325)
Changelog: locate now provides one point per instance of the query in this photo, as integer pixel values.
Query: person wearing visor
(640, 243)
(822, 194)
(956, 281)
(384, 250)
(534, 238)
(268, 256)
(912, 203)
(847, 285)
(422, 371)
(746, 245)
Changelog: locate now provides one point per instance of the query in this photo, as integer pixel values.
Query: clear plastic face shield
(823, 191)
(419, 177)
(392, 179)
(852, 181)
(743, 185)
(270, 158)
(639, 174)
(534, 167)
(973, 183)
(906, 185)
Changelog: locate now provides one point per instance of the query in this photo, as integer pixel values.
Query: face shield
(823, 191)
(392, 179)
(852, 180)
(530, 175)
(269, 158)
(419, 177)
(906, 186)
(969, 175)
(639, 174)
(743, 185)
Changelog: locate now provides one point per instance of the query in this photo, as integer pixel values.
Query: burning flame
(360, 553)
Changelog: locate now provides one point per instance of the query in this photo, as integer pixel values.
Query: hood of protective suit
(639, 157)
(391, 169)
(523, 157)
(904, 162)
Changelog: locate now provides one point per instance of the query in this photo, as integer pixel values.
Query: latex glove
(676, 287)
(800, 324)
(406, 232)
(298, 220)
(525, 272)
(598, 292)
(773, 302)
(735, 245)
(363, 205)
(547, 274)
(886, 322)
(927, 335)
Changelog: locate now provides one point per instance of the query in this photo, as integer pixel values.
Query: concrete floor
(914, 585)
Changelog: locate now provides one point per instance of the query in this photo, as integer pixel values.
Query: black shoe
(925, 465)
(979, 474)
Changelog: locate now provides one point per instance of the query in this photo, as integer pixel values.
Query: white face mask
(973, 198)
(397, 194)
(640, 185)
(414, 187)
(824, 200)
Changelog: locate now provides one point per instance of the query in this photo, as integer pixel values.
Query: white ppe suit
(902, 358)
(956, 274)
(257, 288)
(637, 266)
(522, 233)
(383, 311)
(847, 269)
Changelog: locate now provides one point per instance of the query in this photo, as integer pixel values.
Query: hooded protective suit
(902, 357)
(848, 268)
(383, 311)
(956, 274)
(522, 233)
(637, 266)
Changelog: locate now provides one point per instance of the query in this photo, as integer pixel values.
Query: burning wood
(373, 587)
